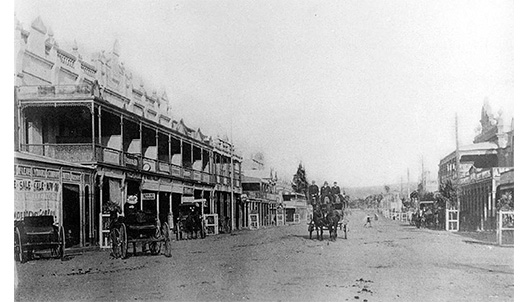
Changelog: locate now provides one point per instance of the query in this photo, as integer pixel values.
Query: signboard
(36, 198)
(148, 196)
(188, 199)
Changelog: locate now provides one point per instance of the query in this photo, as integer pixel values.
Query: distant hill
(362, 192)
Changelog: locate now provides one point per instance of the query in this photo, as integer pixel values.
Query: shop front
(60, 189)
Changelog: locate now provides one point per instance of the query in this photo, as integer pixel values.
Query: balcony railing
(76, 153)
(83, 153)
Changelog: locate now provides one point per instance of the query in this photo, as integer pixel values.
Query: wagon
(190, 223)
(38, 233)
(140, 228)
(342, 224)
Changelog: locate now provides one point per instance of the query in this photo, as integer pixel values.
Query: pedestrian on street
(368, 221)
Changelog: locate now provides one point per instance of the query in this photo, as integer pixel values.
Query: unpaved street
(391, 261)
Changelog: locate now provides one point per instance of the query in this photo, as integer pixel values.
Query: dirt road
(387, 262)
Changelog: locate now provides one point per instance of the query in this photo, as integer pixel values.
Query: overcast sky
(359, 91)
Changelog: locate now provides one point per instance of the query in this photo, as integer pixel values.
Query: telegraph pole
(232, 171)
(408, 183)
(457, 164)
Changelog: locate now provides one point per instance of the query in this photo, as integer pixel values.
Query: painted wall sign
(53, 174)
(38, 172)
(76, 177)
(36, 198)
(24, 171)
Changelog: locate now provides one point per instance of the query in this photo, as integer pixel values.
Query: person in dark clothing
(326, 192)
(313, 192)
(335, 191)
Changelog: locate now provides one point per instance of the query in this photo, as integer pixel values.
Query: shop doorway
(88, 237)
(164, 206)
(148, 199)
(71, 214)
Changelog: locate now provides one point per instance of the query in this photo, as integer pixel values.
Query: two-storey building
(93, 115)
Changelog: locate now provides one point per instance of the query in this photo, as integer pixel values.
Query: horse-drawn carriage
(426, 216)
(139, 227)
(190, 223)
(38, 233)
(328, 214)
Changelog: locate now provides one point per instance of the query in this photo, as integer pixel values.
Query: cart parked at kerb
(38, 233)
(190, 223)
(139, 228)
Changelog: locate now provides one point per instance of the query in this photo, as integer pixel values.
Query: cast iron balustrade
(109, 155)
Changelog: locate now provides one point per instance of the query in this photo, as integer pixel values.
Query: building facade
(259, 197)
(94, 113)
(480, 167)
(479, 197)
(492, 147)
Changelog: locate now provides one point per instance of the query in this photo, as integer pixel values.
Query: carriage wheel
(124, 241)
(59, 251)
(19, 251)
(167, 240)
(155, 246)
(116, 242)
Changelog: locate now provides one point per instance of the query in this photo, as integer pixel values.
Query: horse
(318, 220)
(333, 218)
(193, 225)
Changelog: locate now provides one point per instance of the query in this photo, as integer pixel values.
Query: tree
(447, 195)
(299, 182)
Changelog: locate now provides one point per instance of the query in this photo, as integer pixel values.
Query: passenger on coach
(326, 192)
(313, 192)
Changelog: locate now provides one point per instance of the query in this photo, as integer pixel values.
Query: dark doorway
(149, 202)
(87, 234)
(71, 214)
(164, 206)
(175, 202)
